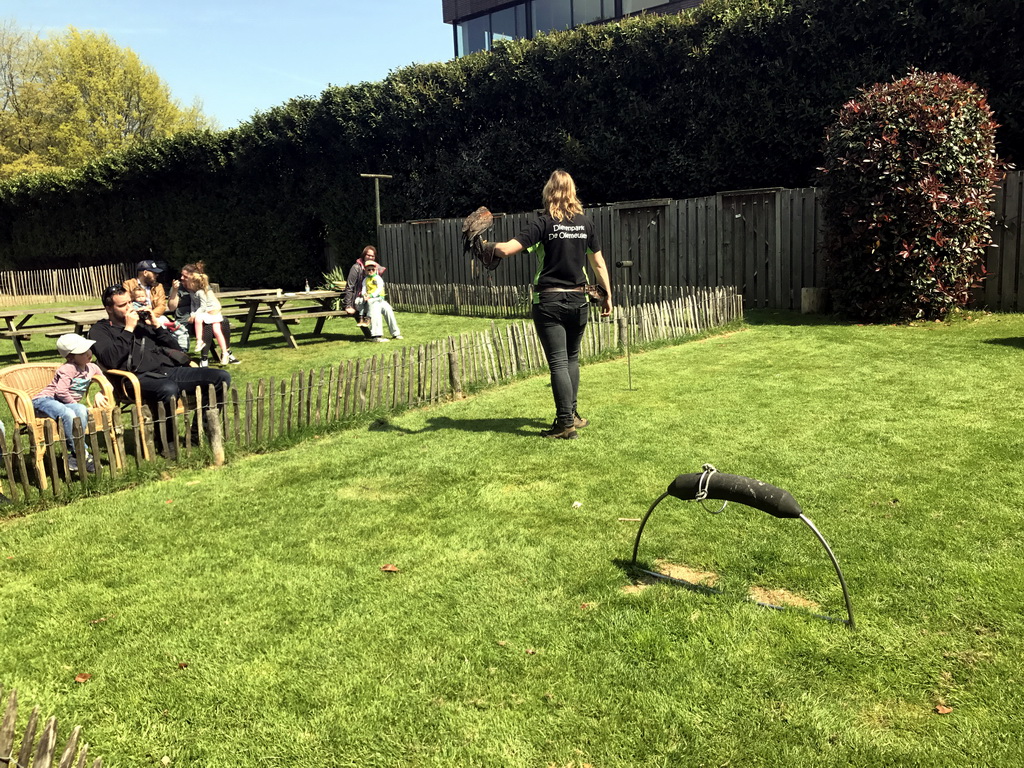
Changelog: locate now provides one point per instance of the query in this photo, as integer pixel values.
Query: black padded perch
(711, 484)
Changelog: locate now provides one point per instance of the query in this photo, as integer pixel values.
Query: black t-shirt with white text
(561, 249)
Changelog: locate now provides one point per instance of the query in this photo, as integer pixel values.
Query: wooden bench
(25, 333)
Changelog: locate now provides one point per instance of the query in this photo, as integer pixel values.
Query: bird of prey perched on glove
(473, 243)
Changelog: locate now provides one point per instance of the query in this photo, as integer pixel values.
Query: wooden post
(216, 436)
(78, 440)
(94, 444)
(812, 301)
(9, 466)
(453, 370)
(51, 436)
(20, 459)
(249, 414)
(260, 406)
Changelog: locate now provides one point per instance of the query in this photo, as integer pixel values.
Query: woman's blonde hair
(200, 276)
(559, 196)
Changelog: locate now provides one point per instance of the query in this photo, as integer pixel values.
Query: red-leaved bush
(909, 173)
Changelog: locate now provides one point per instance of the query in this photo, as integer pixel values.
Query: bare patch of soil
(675, 571)
(686, 573)
(782, 597)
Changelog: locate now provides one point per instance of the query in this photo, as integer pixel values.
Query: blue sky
(243, 56)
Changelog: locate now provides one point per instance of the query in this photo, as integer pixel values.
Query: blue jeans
(65, 412)
(560, 319)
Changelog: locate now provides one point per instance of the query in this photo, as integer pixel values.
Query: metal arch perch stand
(710, 484)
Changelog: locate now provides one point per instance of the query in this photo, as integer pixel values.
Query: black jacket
(139, 352)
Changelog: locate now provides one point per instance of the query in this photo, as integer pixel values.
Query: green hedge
(733, 95)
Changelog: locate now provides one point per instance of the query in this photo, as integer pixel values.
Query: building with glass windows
(477, 24)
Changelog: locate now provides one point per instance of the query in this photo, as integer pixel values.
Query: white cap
(73, 344)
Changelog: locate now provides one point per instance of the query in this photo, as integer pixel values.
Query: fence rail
(412, 376)
(765, 241)
(57, 285)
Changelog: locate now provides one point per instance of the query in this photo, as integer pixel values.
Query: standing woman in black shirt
(562, 240)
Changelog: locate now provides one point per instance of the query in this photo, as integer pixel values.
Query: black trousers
(560, 319)
(166, 387)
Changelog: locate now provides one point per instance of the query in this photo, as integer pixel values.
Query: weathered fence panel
(765, 241)
(1005, 263)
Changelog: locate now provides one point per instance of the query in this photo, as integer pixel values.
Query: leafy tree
(69, 99)
(910, 169)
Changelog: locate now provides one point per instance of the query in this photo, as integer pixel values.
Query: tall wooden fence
(59, 285)
(411, 376)
(509, 300)
(765, 241)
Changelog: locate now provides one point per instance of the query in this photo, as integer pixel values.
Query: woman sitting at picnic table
(355, 305)
(373, 297)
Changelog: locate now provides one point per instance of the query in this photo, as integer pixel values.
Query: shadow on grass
(1016, 342)
(643, 574)
(790, 317)
(526, 427)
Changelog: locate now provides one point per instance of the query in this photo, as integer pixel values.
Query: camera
(145, 315)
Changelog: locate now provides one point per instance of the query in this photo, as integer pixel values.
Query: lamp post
(376, 188)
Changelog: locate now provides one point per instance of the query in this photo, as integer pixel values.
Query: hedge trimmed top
(731, 95)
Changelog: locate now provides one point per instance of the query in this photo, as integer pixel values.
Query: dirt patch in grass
(782, 597)
(687, 573)
(674, 570)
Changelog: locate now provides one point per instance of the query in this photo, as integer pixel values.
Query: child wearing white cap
(62, 397)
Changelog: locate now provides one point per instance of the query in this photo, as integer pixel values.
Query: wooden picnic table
(82, 319)
(17, 326)
(316, 304)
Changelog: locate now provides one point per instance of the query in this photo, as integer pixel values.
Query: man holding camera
(127, 342)
(146, 272)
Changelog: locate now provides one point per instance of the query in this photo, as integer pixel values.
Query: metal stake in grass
(629, 363)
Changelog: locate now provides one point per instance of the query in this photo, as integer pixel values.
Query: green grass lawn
(240, 617)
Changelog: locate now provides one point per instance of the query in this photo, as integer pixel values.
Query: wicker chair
(21, 383)
(128, 394)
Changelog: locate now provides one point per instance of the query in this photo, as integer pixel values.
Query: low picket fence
(26, 752)
(252, 417)
(60, 285)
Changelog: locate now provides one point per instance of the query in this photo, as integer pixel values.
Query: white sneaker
(204, 363)
(224, 359)
(232, 359)
(379, 339)
(397, 337)
(199, 345)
